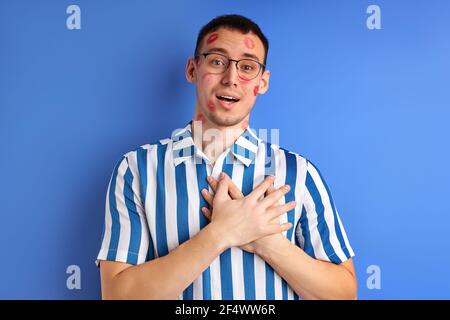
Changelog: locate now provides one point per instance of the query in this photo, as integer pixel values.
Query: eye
(217, 62)
(247, 67)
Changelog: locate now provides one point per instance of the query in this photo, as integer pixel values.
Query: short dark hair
(232, 22)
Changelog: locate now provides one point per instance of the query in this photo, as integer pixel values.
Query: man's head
(217, 79)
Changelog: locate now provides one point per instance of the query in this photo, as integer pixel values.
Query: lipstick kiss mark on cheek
(255, 90)
(210, 106)
(249, 43)
(213, 37)
(206, 76)
(243, 81)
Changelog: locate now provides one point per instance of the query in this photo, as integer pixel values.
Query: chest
(174, 201)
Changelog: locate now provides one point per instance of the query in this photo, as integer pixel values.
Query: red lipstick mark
(243, 80)
(210, 106)
(249, 43)
(212, 38)
(255, 90)
(206, 76)
(200, 117)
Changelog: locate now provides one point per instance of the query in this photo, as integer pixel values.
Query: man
(214, 212)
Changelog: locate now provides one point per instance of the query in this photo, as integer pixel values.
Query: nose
(230, 76)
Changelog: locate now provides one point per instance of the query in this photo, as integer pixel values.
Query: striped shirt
(153, 205)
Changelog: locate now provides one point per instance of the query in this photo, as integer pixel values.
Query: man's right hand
(241, 221)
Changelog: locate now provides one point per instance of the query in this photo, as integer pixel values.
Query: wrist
(219, 235)
(258, 248)
(264, 246)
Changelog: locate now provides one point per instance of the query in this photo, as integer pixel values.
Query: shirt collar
(244, 148)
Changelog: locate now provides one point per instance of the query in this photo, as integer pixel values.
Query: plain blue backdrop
(369, 107)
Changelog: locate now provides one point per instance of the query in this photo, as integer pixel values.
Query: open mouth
(227, 99)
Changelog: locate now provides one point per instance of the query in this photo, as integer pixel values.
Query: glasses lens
(216, 63)
(248, 69)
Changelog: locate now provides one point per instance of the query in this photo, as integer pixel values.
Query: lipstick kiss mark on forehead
(255, 90)
(213, 37)
(249, 43)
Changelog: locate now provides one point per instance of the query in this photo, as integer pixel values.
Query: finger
(206, 212)
(278, 228)
(213, 183)
(222, 190)
(233, 190)
(270, 190)
(278, 211)
(208, 196)
(273, 198)
(261, 188)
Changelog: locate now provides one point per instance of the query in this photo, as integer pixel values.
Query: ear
(191, 72)
(264, 83)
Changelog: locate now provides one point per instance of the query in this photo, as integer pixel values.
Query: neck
(213, 139)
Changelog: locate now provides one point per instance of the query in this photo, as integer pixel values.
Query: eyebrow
(246, 55)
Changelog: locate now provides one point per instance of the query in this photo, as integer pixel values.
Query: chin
(225, 121)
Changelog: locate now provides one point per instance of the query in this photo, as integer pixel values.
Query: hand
(271, 205)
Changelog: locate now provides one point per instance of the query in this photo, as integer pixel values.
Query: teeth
(228, 98)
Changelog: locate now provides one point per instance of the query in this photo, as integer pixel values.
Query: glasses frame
(262, 66)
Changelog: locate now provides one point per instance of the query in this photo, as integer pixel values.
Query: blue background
(369, 107)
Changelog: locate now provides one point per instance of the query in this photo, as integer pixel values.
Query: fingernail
(221, 175)
(287, 187)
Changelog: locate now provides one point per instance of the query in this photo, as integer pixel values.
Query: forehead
(234, 43)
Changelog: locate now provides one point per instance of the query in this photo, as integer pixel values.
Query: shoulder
(144, 151)
(139, 156)
(307, 170)
(290, 158)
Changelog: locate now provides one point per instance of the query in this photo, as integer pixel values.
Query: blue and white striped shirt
(153, 205)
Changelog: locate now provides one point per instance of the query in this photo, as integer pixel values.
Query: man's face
(211, 87)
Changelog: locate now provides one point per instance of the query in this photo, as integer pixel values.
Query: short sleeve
(125, 236)
(319, 231)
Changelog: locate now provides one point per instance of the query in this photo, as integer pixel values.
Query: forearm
(168, 276)
(308, 277)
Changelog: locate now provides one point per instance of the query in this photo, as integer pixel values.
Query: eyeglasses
(218, 63)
